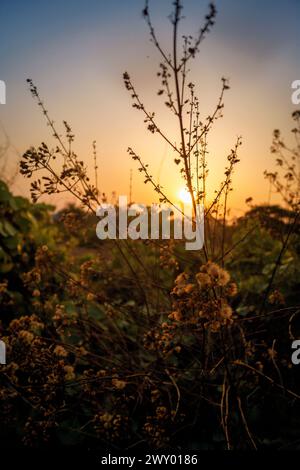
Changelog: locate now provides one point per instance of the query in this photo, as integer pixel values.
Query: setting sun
(184, 196)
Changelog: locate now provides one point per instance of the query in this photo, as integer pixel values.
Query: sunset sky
(77, 50)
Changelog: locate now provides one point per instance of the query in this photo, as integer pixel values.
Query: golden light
(184, 196)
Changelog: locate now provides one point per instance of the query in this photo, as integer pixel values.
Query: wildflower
(36, 325)
(118, 384)
(203, 280)
(69, 372)
(106, 419)
(60, 351)
(90, 296)
(215, 326)
(224, 277)
(189, 288)
(181, 285)
(276, 298)
(26, 336)
(226, 311)
(211, 268)
(232, 289)
(3, 287)
(272, 353)
(161, 412)
(181, 279)
(217, 274)
(82, 351)
(59, 312)
(176, 315)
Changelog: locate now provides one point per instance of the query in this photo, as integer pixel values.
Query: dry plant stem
(224, 409)
(85, 202)
(245, 423)
(95, 165)
(149, 116)
(177, 391)
(174, 66)
(149, 178)
(278, 261)
(224, 225)
(266, 377)
(67, 151)
(134, 274)
(186, 158)
(146, 13)
(241, 240)
(273, 353)
(292, 317)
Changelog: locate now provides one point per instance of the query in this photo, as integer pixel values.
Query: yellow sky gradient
(80, 79)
